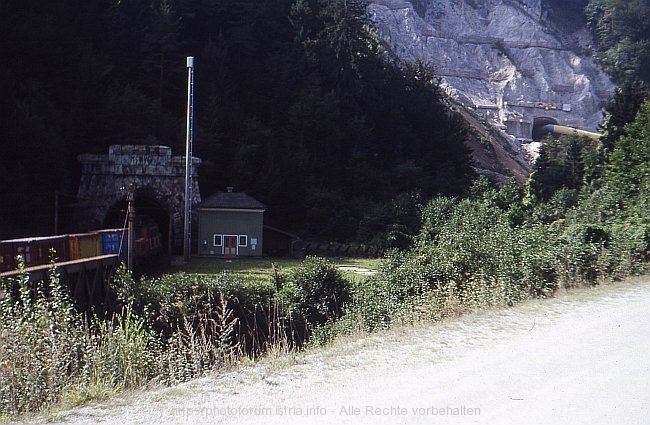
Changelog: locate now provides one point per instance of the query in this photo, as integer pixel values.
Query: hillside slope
(506, 61)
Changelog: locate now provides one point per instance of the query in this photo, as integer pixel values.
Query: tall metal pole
(130, 230)
(188, 159)
(56, 212)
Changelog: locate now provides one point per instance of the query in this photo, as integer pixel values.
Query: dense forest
(622, 33)
(296, 103)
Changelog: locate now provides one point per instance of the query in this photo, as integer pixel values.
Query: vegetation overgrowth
(620, 31)
(577, 222)
(297, 102)
(582, 218)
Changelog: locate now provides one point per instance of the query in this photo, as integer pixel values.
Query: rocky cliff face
(501, 58)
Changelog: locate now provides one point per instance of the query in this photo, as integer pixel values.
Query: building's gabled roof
(232, 201)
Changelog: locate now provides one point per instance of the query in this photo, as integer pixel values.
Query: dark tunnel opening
(539, 127)
(148, 212)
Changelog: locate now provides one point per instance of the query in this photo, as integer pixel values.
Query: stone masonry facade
(153, 172)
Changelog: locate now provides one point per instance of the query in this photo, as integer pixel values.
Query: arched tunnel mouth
(148, 212)
(539, 132)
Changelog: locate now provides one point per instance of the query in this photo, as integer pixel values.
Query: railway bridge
(157, 180)
(85, 278)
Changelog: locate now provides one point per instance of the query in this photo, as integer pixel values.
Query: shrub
(181, 302)
(320, 291)
(41, 344)
(48, 351)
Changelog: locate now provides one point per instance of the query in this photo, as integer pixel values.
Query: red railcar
(35, 251)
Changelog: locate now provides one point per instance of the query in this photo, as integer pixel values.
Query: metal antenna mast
(188, 159)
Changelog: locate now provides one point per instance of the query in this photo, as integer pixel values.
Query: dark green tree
(622, 33)
(574, 166)
(628, 170)
(621, 108)
(547, 173)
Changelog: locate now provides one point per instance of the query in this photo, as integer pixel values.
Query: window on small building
(218, 240)
(243, 240)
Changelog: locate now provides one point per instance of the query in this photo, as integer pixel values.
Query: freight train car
(36, 250)
(148, 241)
(83, 245)
(114, 241)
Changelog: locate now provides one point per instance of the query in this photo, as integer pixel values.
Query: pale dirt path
(577, 359)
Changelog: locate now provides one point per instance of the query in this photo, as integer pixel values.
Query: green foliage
(122, 352)
(50, 353)
(41, 344)
(628, 170)
(477, 241)
(555, 208)
(567, 163)
(508, 198)
(621, 108)
(622, 34)
(391, 225)
(320, 292)
(547, 174)
(182, 306)
(601, 225)
(297, 103)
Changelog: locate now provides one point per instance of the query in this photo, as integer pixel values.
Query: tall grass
(51, 353)
(41, 345)
(469, 254)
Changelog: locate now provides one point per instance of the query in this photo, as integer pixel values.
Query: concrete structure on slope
(502, 59)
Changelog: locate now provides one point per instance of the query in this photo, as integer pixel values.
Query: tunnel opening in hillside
(152, 222)
(539, 127)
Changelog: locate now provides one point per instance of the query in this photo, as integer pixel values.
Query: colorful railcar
(84, 245)
(35, 251)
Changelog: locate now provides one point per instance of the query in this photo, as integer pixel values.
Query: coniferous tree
(547, 173)
(628, 170)
(295, 102)
(574, 164)
(621, 108)
(622, 33)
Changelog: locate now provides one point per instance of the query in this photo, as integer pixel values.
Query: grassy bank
(469, 254)
(263, 268)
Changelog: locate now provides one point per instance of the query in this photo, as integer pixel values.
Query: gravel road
(579, 358)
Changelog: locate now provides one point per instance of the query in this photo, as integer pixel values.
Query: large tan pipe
(569, 131)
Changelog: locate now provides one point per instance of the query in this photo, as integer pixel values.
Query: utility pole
(188, 159)
(56, 212)
(131, 230)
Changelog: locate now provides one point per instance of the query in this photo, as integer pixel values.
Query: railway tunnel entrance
(158, 182)
(543, 126)
(540, 130)
(152, 219)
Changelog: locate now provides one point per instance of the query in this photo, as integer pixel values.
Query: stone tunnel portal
(158, 181)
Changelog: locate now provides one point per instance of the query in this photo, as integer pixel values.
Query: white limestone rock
(502, 57)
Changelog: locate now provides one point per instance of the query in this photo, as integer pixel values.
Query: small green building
(230, 225)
